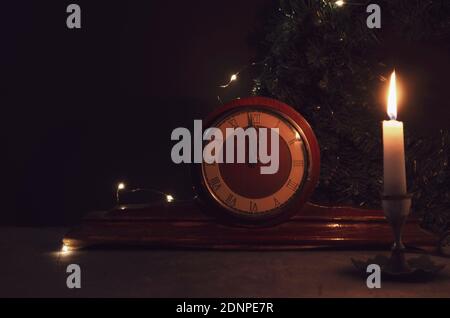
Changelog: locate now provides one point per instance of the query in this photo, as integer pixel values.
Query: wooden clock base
(184, 226)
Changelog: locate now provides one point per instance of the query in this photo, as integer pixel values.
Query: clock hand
(251, 125)
(250, 120)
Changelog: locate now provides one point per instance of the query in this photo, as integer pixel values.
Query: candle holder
(396, 209)
(397, 266)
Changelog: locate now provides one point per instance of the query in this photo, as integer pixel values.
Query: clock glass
(240, 192)
(240, 187)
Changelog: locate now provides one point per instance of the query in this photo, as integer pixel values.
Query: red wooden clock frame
(211, 206)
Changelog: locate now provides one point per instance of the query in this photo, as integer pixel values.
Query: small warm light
(65, 249)
(340, 3)
(334, 225)
(121, 186)
(392, 98)
(232, 79)
(169, 198)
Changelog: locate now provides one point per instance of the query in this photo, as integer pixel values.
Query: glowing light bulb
(340, 3)
(233, 78)
(120, 187)
(65, 249)
(169, 198)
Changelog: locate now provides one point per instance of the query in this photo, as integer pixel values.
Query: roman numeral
(292, 185)
(215, 183)
(277, 203)
(231, 200)
(253, 207)
(256, 118)
(233, 122)
(298, 163)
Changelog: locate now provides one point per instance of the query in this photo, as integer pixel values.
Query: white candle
(393, 148)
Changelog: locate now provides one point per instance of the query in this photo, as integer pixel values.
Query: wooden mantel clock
(237, 192)
(239, 208)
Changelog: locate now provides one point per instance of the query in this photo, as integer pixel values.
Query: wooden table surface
(31, 266)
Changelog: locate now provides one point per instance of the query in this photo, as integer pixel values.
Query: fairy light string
(165, 196)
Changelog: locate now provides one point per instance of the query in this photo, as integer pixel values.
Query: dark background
(84, 109)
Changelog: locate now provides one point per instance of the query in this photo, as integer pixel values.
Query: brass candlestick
(397, 266)
(396, 209)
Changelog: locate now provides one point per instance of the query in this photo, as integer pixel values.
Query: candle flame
(392, 98)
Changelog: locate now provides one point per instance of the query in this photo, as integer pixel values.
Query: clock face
(238, 193)
(240, 187)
